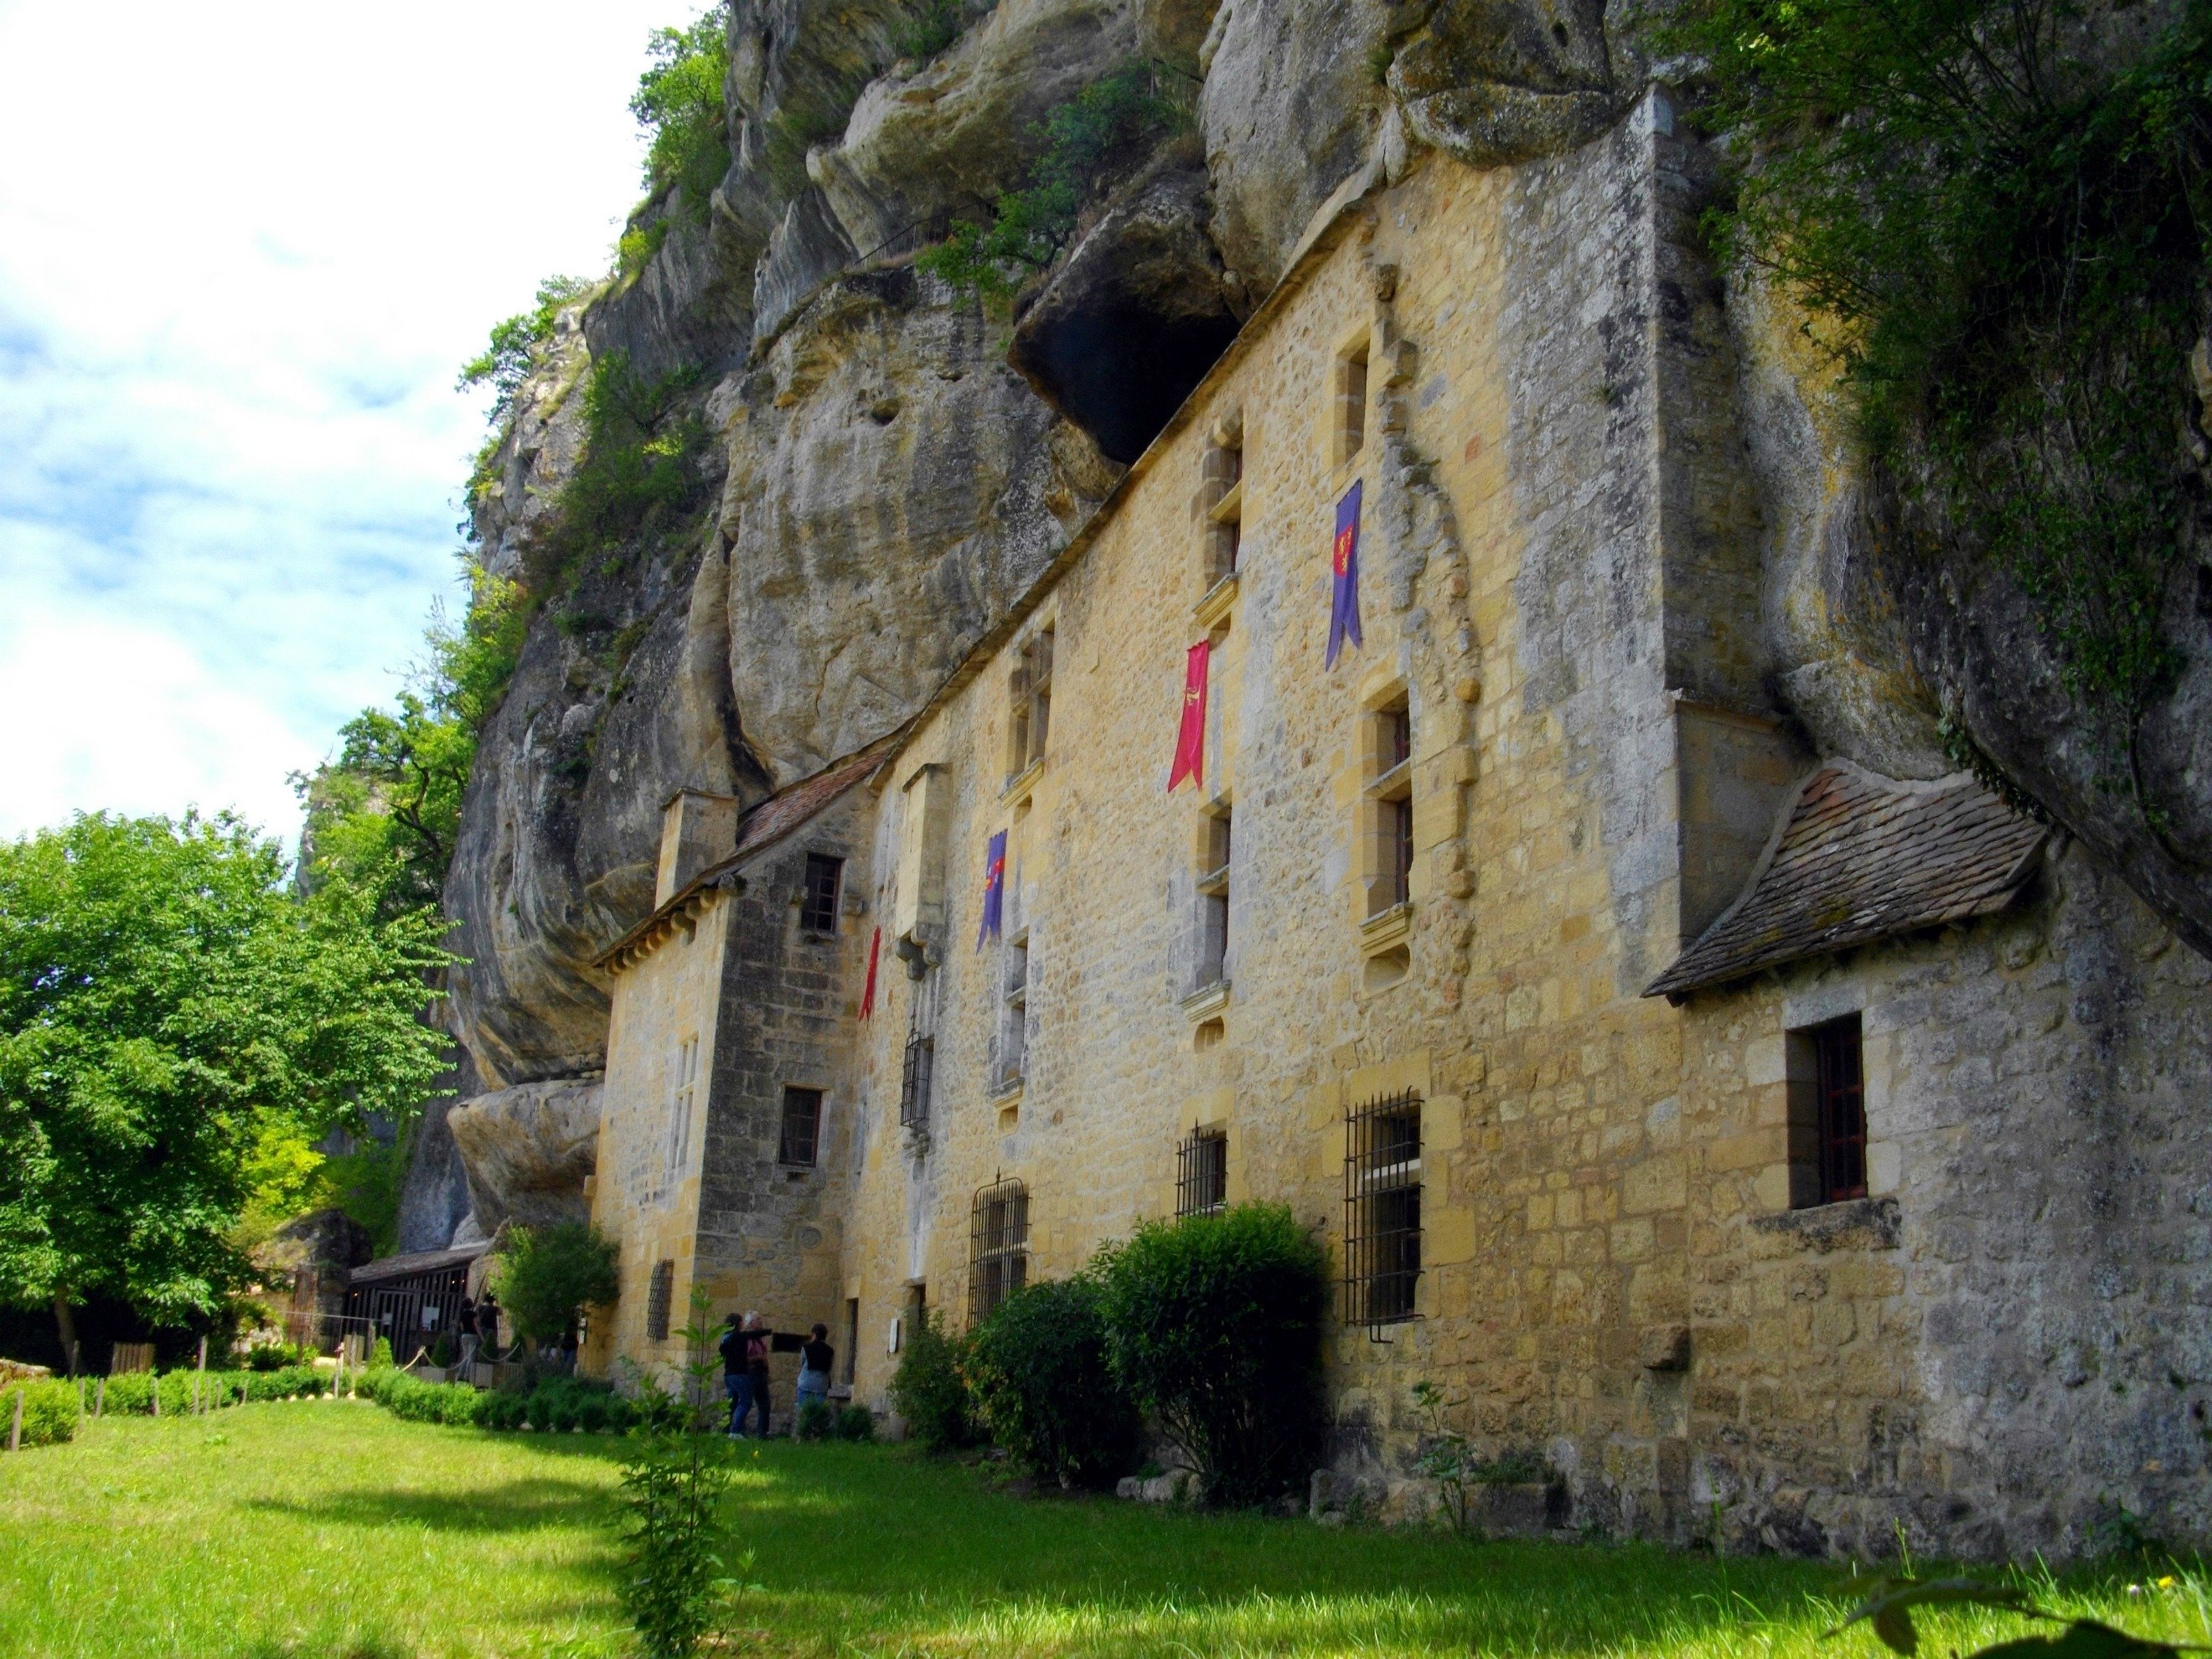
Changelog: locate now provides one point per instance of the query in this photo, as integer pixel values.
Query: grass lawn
(333, 1530)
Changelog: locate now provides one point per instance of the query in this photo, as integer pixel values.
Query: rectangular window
(660, 1291)
(1031, 711)
(1351, 402)
(1381, 1211)
(997, 1246)
(802, 1125)
(1202, 1173)
(1827, 1114)
(847, 1360)
(817, 908)
(1221, 494)
(683, 1094)
(920, 1067)
(1014, 1015)
(1217, 832)
(1389, 830)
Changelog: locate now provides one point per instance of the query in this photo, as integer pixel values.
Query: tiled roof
(766, 824)
(1859, 857)
(423, 1261)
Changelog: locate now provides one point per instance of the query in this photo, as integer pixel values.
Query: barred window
(914, 1084)
(802, 1125)
(1202, 1173)
(660, 1291)
(997, 1246)
(1381, 1211)
(1827, 1114)
(818, 908)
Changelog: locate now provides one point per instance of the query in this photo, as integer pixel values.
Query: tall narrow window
(997, 1246)
(660, 1291)
(919, 1067)
(1202, 1173)
(1351, 402)
(1216, 833)
(849, 1359)
(1014, 1013)
(682, 1093)
(1390, 794)
(817, 907)
(1221, 494)
(1030, 713)
(1827, 1113)
(802, 1125)
(1381, 1211)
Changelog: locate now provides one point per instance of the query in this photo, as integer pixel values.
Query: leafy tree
(385, 813)
(548, 1275)
(512, 352)
(678, 101)
(175, 1023)
(1996, 212)
(1214, 1325)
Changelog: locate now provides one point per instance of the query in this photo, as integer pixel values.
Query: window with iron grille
(1381, 1211)
(913, 1083)
(997, 1246)
(817, 908)
(1202, 1173)
(802, 1125)
(660, 1291)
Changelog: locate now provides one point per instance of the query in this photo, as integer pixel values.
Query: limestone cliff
(887, 464)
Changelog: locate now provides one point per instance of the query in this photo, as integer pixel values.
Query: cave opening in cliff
(1121, 371)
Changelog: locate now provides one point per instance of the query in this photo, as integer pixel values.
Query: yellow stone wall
(641, 1196)
(1554, 1169)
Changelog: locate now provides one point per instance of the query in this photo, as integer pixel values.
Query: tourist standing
(737, 1375)
(488, 1325)
(756, 1369)
(815, 1361)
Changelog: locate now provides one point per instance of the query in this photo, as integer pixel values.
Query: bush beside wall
(49, 1412)
(1044, 1389)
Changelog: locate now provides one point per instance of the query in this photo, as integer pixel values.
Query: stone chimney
(696, 830)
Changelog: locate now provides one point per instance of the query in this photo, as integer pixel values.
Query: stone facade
(1526, 371)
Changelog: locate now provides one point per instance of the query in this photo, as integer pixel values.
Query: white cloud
(243, 249)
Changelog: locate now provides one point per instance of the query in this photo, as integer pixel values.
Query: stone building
(1762, 1142)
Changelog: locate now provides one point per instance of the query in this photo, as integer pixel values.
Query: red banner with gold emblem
(1190, 742)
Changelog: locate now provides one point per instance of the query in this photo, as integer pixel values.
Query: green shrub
(818, 1420)
(381, 1353)
(502, 1410)
(276, 1355)
(856, 1423)
(933, 26)
(928, 1389)
(1103, 129)
(1214, 1327)
(1043, 1387)
(50, 1408)
(128, 1392)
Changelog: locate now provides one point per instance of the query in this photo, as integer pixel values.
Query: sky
(244, 249)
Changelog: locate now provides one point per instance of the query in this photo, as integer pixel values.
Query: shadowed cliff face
(889, 467)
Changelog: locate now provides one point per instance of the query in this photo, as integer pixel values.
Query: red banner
(868, 995)
(1190, 742)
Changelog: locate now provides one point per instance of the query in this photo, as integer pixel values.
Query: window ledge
(1395, 783)
(1018, 786)
(1866, 1224)
(1214, 883)
(1206, 1001)
(1008, 1091)
(1220, 599)
(1230, 507)
(1387, 927)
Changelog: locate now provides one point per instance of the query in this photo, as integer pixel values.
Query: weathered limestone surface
(529, 1149)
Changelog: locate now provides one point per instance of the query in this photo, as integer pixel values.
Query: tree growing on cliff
(1998, 213)
(176, 1025)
